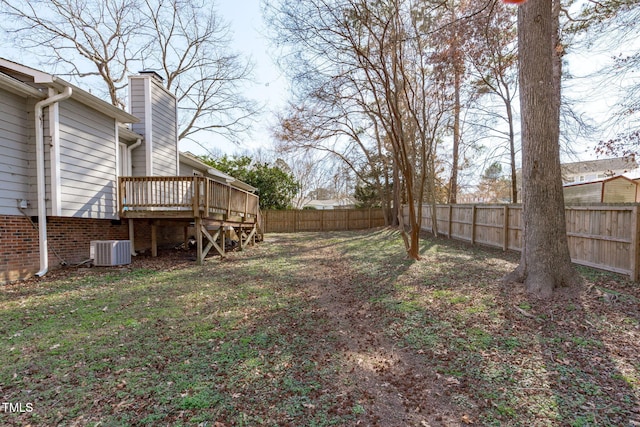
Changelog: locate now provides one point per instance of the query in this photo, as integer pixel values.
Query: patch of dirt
(399, 391)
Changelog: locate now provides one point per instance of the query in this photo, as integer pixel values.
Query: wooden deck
(191, 199)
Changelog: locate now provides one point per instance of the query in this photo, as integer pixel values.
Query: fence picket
(602, 236)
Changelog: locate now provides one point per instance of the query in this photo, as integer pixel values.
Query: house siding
(17, 162)
(164, 131)
(156, 108)
(188, 170)
(87, 163)
(137, 108)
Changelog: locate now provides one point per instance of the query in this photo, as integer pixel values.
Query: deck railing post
(207, 196)
(196, 196)
(121, 195)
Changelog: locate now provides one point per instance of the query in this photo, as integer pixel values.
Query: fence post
(473, 224)
(449, 226)
(635, 273)
(262, 224)
(505, 228)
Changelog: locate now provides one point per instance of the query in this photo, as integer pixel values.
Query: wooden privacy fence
(601, 236)
(293, 221)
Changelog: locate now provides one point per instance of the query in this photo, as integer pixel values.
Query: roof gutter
(40, 172)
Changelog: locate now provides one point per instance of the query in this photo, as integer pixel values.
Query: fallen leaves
(305, 330)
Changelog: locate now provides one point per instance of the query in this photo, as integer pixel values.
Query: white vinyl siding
(88, 162)
(164, 131)
(17, 162)
(137, 108)
(156, 109)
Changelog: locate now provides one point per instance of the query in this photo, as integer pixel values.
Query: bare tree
(184, 40)
(493, 60)
(192, 49)
(373, 62)
(612, 26)
(78, 38)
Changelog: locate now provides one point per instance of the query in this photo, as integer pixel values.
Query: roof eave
(94, 102)
(20, 88)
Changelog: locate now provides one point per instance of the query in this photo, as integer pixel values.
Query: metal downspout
(130, 172)
(40, 171)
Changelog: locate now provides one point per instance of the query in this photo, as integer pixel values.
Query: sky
(270, 87)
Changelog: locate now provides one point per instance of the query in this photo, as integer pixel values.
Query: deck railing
(184, 195)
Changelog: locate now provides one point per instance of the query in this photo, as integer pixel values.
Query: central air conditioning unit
(110, 252)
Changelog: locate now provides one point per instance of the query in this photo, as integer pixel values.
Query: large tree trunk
(545, 263)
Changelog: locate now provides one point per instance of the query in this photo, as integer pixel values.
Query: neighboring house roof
(599, 180)
(195, 162)
(32, 82)
(600, 165)
(331, 203)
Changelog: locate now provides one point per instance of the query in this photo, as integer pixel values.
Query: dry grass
(319, 329)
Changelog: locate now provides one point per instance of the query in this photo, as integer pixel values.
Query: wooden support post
(222, 237)
(132, 237)
(198, 225)
(505, 229)
(154, 238)
(634, 252)
(251, 234)
(201, 231)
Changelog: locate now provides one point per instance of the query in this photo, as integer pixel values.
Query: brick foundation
(68, 240)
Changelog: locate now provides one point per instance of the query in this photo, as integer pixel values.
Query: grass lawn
(319, 329)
